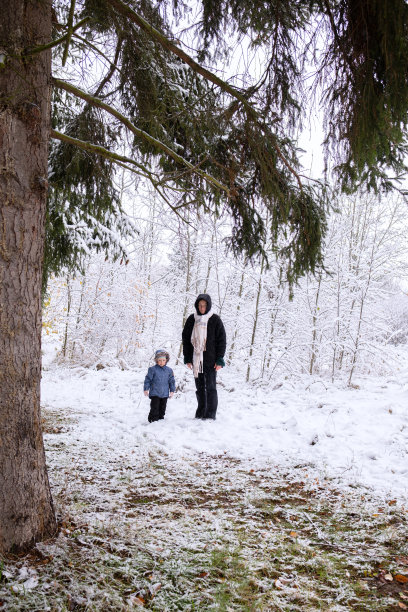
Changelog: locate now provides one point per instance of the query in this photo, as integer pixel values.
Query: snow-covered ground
(353, 436)
(251, 511)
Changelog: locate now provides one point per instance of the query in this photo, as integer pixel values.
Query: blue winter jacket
(159, 381)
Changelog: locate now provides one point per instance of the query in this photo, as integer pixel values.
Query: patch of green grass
(209, 536)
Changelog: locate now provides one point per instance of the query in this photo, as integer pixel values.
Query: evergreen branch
(127, 12)
(178, 175)
(161, 146)
(98, 51)
(337, 37)
(289, 167)
(120, 160)
(55, 43)
(173, 208)
(70, 31)
(111, 70)
(99, 150)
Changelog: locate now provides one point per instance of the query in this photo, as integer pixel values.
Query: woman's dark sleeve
(220, 340)
(188, 349)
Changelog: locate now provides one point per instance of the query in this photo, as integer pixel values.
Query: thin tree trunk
(216, 265)
(336, 339)
(268, 354)
(360, 318)
(357, 342)
(256, 316)
(360, 222)
(314, 323)
(234, 337)
(69, 302)
(207, 279)
(144, 297)
(78, 317)
(189, 261)
(26, 509)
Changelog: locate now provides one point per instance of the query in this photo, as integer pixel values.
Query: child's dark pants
(157, 408)
(206, 392)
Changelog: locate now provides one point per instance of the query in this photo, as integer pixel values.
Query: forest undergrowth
(150, 530)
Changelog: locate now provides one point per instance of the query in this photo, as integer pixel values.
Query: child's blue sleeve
(148, 380)
(172, 382)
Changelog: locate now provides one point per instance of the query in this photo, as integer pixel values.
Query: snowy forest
(346, 320)
(154, 151)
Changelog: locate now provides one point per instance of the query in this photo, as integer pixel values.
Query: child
(158, 382)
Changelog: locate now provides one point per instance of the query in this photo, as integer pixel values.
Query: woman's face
(202, 306)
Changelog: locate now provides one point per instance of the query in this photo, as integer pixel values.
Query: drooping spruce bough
(224, 144)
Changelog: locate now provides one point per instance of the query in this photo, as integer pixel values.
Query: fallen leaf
(402, 560)
(363, 585)
(279, 584)
(388, 577)
(401, 578)
(137, 601)
(203, 575)
(392, 502)
(403, 596)
(155, 587)
(293, 534)
(285, 580)
(402, 606)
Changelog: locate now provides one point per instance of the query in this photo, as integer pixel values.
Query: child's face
(161, 361)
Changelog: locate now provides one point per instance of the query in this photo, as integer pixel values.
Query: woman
(204, 343)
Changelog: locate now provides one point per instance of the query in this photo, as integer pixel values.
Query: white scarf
(199, 339)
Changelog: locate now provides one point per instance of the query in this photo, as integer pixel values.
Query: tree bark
(26, 509)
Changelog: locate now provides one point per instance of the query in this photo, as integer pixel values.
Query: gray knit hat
(161, 353)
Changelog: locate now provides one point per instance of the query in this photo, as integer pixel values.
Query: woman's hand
(146, 393)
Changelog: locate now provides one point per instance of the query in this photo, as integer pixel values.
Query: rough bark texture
(26, 509)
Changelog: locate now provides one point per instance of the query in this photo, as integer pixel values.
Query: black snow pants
(157, 408)
(206, 392)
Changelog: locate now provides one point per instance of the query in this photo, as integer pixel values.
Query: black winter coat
(216, 339)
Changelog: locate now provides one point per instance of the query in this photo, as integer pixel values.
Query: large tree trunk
(26, 509)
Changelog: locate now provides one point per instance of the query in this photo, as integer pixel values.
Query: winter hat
(161, 353)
